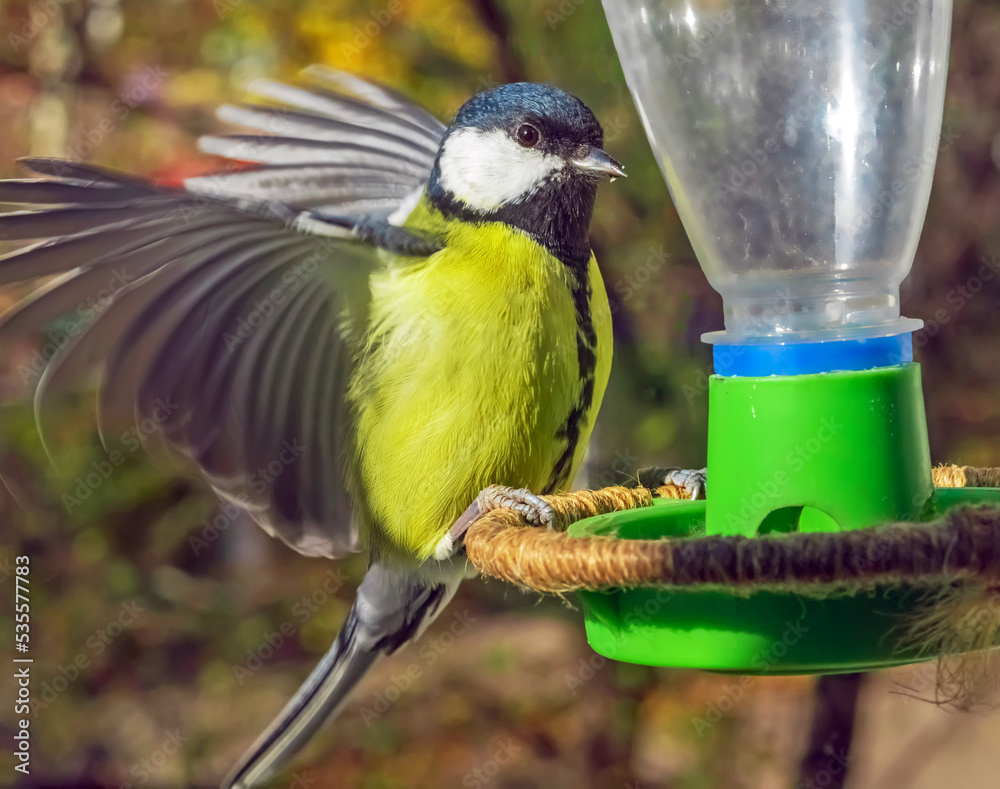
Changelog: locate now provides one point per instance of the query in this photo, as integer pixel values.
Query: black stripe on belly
(586, 351)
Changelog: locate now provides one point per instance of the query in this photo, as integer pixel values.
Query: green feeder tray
(824, 452)
(784, 150)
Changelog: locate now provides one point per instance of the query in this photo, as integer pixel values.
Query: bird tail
(392, 608)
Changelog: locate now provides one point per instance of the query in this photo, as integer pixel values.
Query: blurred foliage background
(167, 633)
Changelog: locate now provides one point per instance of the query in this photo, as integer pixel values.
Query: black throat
(557, 216)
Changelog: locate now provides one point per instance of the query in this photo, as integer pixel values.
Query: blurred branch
(495, 20)
(827, 760)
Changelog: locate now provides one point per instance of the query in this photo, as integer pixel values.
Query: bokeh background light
(167, 632)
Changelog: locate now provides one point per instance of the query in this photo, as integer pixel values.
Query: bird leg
(538, 512)
(691, 481)
(532, 508)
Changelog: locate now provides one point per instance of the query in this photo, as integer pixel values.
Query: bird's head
(527, 155)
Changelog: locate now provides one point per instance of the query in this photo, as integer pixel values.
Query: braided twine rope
(964, 544)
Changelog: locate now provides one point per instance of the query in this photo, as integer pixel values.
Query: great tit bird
(403, 318)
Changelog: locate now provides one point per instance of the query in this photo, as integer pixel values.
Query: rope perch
(964, 544)
(954, 560)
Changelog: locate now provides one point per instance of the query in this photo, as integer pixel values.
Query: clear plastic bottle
(798, 139)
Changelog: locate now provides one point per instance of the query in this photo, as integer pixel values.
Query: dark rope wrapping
(963, 544)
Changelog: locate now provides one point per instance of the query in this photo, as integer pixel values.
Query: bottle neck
(799, 307)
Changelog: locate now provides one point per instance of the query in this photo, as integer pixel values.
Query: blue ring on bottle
(806, 358)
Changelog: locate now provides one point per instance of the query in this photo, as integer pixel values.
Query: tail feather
(391, 609)
(321, 697)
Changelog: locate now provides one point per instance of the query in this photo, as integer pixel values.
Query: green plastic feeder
(788, 137)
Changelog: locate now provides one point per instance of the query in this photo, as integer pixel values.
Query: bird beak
(598, 162)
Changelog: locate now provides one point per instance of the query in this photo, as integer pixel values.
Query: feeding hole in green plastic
(790, 519)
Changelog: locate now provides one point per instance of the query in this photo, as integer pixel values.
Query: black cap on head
(562, 119)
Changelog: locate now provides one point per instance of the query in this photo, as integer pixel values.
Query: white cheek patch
(486, 170)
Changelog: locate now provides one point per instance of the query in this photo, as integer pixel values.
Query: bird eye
(528, 135)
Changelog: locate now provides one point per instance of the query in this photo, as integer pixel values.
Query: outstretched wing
(222, 320)
(363, 154)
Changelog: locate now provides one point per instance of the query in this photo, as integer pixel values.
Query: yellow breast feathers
(485, 364)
